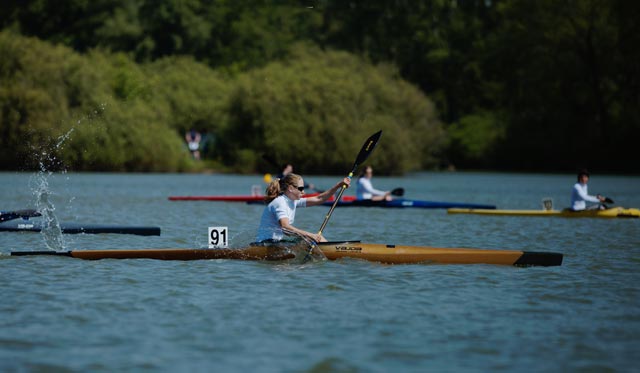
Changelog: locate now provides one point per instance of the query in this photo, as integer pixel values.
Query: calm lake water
(67, 315)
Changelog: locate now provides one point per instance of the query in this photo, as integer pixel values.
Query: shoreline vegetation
(453, 85)
(104, 112)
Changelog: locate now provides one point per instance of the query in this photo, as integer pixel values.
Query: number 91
(217, 237)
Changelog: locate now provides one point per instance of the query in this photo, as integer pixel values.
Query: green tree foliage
(117, 115)
(474, 140)
(559, 77)
(34, 95)
(437, 44)
(236, 35)
(316, 108)
(570, 78)
(250, 33)
(188, 94)
(518, 84)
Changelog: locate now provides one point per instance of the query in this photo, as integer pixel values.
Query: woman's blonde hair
(278, 186)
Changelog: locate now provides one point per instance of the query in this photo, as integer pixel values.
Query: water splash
(48, 163)
(305, 250)
(51, 231)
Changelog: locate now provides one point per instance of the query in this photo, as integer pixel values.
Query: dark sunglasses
(300, 188)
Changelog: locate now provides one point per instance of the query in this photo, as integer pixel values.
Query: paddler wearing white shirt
(580, 194)
(367, 191)
(283, 196)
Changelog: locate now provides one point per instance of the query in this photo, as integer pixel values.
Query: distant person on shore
(193, 141)
(580, 195)
(367, 191)
(283, 196)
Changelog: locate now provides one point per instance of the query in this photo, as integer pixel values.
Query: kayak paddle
(606, 200)
(366, 150)
(398, 192)
(25, 214)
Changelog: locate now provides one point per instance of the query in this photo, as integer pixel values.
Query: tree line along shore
(501, 85)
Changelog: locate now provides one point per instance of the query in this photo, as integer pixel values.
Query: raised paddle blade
(398, 192)
(11, 215)
(366, 150)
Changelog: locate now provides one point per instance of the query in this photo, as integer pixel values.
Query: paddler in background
(580, 195)
(367, 191)
(283, 196)
(288, 169)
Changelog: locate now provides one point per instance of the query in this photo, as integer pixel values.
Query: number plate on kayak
(218, 237)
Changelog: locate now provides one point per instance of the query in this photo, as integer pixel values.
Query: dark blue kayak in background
(402, 203)
(22, 225)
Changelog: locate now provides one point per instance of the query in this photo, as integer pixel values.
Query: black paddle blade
(367, 149)
(398, 192)
(608, 200)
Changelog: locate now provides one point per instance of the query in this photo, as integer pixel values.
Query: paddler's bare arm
(291, 230)
(320, 198)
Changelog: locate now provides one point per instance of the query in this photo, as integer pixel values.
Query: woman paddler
(283, 196)
(366, 190)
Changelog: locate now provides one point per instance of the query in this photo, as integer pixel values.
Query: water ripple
(62, 314)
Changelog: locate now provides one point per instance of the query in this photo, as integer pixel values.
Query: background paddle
(11, 215)
(606, 200)
(366, 150)
(398, 192)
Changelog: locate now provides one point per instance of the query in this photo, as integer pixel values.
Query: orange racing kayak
(382, 253)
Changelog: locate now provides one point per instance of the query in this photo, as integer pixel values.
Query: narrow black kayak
(17, 214)
(22, 225)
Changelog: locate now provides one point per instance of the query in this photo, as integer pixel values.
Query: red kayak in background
(252, 198)
(217, 198)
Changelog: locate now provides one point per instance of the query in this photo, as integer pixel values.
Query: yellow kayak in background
(615, 212)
